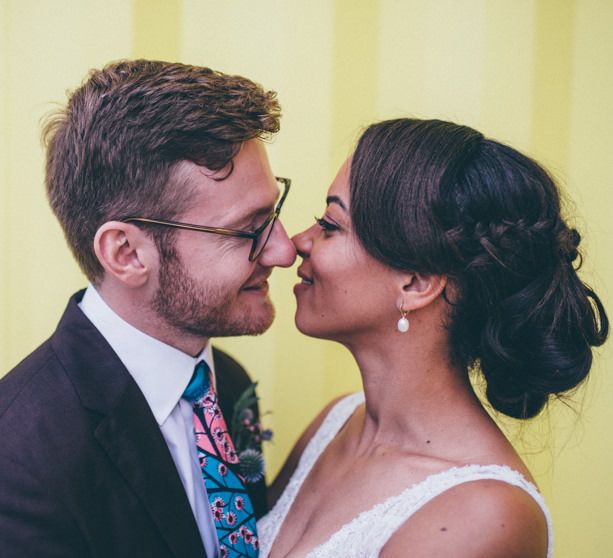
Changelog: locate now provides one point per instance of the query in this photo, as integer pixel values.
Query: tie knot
(199, 384)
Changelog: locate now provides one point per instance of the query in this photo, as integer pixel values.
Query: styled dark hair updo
(435, 197)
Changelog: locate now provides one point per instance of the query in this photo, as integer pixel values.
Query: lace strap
(329, 428)
(382, 520)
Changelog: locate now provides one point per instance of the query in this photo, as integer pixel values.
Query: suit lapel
(133, 441)
(127, 430)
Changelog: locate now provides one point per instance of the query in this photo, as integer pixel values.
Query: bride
(440, 252)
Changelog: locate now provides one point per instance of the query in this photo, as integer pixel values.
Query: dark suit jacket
(84, 468)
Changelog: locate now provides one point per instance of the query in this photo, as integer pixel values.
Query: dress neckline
(431, 485)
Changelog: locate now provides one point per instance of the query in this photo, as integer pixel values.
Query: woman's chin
(301, 324)
(317, 330)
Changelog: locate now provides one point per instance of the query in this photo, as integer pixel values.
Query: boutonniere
(248, 436)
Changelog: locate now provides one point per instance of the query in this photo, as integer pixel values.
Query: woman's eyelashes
(326, 225)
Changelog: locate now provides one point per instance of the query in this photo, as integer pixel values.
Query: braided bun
(435, 197)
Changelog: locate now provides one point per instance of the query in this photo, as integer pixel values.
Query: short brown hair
(112, 150)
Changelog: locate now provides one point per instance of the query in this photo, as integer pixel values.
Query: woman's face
(344, 292)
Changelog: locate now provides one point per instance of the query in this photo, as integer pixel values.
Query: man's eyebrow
(252, 217)
(254, 214)
(337, 200)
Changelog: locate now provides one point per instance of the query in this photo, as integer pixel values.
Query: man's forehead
(237, 195)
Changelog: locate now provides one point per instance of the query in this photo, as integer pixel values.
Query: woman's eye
(326, 225)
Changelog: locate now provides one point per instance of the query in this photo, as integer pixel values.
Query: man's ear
(125, 252)
(418, 290)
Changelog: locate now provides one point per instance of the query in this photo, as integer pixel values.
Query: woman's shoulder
(484, 517)
(336, 411)
(342, 405)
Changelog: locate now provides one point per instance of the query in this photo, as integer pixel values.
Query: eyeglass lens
(260, 242)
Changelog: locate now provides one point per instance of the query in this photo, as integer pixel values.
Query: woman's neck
(415, 396)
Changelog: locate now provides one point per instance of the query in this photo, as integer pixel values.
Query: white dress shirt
(162, 374)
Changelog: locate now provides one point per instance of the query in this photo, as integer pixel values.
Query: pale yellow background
(535, 73)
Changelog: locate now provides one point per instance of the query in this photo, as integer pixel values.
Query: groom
(159, 177)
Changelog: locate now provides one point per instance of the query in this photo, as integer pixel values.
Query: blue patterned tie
(231, 506)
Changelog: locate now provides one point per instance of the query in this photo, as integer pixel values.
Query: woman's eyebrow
(337, 200)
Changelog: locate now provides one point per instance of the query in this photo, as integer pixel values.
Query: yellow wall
(535, 73)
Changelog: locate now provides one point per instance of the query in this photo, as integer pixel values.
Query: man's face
(207, 285)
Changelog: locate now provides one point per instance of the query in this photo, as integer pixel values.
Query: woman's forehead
(340, 184)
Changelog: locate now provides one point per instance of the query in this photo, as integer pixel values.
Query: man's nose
(279, 251)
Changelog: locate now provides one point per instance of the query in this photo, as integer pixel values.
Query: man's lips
(257, 285)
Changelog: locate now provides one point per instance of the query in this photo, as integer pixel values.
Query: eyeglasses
(259, 237)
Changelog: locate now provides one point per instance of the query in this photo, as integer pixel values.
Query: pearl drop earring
(403, 322)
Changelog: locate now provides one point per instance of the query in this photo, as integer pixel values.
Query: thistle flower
(251, 465)
(248, 435)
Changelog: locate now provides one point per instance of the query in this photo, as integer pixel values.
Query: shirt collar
(161, 372)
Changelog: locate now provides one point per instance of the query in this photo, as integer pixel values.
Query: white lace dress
(366, 534)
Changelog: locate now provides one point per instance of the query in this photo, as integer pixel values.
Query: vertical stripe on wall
(355, 72)
(156, 28)
(5, 72)
(553, 74)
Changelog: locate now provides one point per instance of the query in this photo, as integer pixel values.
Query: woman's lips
(305, 278)
(305, 282)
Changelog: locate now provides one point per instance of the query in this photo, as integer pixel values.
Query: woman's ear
(420, 289)
(125, 252)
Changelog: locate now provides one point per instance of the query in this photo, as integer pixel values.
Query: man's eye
(260, 222)
(326, 225)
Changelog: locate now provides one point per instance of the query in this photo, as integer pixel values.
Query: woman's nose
(303, 241)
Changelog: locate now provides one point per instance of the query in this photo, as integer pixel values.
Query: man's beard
(204, 311)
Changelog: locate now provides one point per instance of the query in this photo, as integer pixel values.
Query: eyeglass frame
(253, 235)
